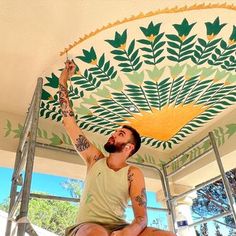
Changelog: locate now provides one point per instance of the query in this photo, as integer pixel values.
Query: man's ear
(130, 146)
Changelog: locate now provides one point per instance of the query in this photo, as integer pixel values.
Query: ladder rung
(22, 162)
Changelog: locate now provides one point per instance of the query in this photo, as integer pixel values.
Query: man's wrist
(65, 73)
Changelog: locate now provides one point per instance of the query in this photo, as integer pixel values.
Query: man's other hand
(68, 71)
(70, 67)
(123, 232)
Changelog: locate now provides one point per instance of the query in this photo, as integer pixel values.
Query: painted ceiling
(166, 67)
(168, 72)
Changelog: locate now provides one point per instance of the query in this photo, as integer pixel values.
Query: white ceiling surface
(34, 32)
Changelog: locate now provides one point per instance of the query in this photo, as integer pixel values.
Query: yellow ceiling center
(165, 123)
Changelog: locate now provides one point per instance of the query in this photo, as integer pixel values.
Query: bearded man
(110, 182)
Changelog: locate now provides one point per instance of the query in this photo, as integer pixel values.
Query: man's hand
(68, 71)
(119, 233)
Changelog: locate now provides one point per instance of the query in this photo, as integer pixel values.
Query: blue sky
(40, 183)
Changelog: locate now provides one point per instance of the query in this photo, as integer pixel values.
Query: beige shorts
(72, 230)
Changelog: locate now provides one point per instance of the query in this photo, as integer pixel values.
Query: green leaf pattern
(52, 139)
(108, 100)
(221, 135)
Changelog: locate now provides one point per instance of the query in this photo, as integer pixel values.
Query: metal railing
(172, 199)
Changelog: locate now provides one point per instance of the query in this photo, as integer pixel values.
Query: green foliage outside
(4, 205)
(74, 186)
(52, 215)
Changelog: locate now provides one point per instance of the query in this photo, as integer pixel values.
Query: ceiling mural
(166, 79)
(61, 139)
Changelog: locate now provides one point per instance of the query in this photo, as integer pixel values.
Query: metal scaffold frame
(172, 199)
(25, 160)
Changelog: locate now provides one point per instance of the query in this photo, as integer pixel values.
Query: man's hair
(135, 138)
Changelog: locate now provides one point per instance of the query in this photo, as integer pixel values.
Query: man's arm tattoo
(64, 101)
(130, 176)
(81, 143)
(142, 199)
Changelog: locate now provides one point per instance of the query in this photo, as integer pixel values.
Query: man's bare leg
(91, 230)
(149, 231)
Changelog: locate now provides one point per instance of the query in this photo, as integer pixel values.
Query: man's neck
(116, 161)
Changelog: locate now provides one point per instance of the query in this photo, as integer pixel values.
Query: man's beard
(112, 148)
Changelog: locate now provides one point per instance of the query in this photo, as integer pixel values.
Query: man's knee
(149, 231)
(91, 230)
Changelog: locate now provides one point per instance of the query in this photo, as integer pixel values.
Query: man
(110, 182)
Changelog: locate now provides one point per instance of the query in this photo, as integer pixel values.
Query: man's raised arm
(87, 150)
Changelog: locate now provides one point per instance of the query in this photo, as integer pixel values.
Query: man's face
(118, 140)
